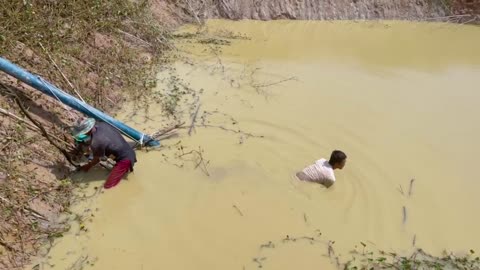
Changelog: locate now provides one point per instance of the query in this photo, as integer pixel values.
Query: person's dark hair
(337, 156)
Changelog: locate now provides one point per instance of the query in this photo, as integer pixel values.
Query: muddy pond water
(401, 99)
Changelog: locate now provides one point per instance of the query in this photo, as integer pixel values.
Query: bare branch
(194, 119)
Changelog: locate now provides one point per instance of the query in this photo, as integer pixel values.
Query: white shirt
(321, 171)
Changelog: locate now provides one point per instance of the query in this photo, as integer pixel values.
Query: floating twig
(364, 246)
(194, 119)
(200, 160)
(79, 263)
(309, 238)
(259, 261)
(261, 85)
(400, 189)
(234, 131)
(331, 251)
(238, 210)
(164, 133)
(270, 244)
(404, 214)
(411, 187)
(414, 241)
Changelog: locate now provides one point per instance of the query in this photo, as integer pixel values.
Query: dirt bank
(442, 10)
(102, 51)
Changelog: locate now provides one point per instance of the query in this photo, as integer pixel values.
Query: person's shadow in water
(95, 174)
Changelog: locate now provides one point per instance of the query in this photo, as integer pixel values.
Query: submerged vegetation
(362, 257)
(418, 259)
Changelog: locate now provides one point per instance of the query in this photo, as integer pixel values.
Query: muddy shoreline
(457, 11)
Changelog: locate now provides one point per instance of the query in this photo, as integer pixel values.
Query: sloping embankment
(439, 10)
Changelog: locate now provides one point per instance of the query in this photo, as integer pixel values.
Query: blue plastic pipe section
(40, 84)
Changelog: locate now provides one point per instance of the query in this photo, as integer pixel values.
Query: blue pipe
(40, 84)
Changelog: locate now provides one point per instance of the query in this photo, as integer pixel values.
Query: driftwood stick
(411, 187)
(167, 130)
(331, 251)
(79, 263)
(194, 119)
(238, 210)
(162, 132)
(259, 85)
(234, 131)
(200, 161)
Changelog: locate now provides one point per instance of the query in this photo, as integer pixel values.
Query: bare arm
(92, 163)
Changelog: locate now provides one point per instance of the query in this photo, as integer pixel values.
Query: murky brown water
(401, 99)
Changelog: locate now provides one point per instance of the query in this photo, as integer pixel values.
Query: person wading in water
(103, 140)
(322, 170)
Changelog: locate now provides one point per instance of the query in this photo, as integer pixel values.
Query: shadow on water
(94, 175)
